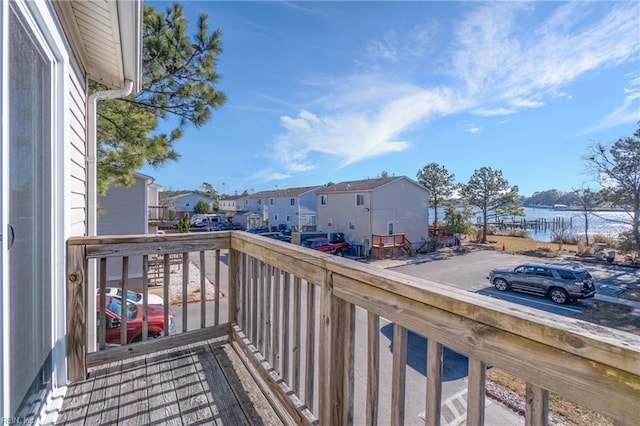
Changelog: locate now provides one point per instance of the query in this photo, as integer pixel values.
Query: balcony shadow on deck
(202, 383)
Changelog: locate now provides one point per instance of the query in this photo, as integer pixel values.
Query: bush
(566, 239)
(519, 233)
(602, 239)
(491, 230)
(584, 250)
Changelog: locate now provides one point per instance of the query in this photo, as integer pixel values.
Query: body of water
(606, 223)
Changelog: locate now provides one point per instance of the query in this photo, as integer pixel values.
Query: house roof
(360, 185)
(232, 197)
(177, 197)
(107, 38)
(283, 193)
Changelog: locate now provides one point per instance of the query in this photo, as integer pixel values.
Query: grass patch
(612, 315)
(561, 411)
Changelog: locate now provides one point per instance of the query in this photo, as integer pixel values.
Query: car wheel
(339, 253)
(559, 296)
(501, 284)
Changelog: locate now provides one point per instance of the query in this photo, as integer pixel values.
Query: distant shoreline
(577, 209)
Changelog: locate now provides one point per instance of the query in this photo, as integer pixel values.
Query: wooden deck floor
(203, 383)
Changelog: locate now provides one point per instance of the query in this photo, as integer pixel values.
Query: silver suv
(562, 283)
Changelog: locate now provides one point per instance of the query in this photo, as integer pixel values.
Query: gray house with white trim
(381, 206)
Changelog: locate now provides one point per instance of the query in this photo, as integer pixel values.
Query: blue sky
(334, 91)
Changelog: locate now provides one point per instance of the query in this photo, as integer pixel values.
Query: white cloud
(471, 129)
(385, 49)
(493, 112)
(496, 58)
(499, 60)
(526, 103)
(628, 112)
(357, 132)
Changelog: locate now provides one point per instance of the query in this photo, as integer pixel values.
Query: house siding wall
(186, 203)
(78, 151)
(125, 213)
(340, 210)
(403, 203)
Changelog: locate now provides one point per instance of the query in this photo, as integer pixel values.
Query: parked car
(562, 283)
(325, 245)
(134, 297)
(259, 230)
(113, 314)
(223, 226)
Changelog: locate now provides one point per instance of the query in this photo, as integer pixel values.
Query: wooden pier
(536, 225)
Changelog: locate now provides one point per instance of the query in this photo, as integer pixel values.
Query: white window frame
(359, 197)
(323, 200)
(292, 201)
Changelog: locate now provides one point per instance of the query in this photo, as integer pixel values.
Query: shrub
(566, 239)
(520, 233)
(584, 250)
(603, 239)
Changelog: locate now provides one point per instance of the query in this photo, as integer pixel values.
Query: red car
(134, 320)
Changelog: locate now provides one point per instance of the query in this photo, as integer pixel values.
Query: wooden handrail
(575, 359)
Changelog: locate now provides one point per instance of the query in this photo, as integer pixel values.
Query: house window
(246, 202)
(352, 224)
(288, 218)
(259, 202)
(292, 201)
(359, 199)
(323, 200)
(275, 217)
(271, 201)
(330, 222)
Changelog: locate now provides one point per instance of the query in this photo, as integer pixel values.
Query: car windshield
(115, 306)
(307, 243)
(131, 295)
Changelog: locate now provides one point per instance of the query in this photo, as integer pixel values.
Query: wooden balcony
(158, 215)
(297, 339)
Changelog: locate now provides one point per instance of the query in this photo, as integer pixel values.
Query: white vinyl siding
(77, 169)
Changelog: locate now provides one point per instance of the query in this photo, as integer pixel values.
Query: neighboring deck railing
(158, 213)
(292, 312)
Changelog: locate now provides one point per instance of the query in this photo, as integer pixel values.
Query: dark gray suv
(562, 283)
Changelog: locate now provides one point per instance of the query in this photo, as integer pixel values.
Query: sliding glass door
(29, 216)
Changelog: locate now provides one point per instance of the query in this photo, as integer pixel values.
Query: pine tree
(178, 85)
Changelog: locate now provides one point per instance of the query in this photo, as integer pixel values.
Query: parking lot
(469, 272)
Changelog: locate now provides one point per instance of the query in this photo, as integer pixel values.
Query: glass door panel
(29, 218)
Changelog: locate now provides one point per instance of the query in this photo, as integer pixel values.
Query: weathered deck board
(163, 401)
(198, 383)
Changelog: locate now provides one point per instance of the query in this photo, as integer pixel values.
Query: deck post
(77, 265)
(234, 274)
(333, 372)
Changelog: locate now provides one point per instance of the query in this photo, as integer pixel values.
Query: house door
(27, 217)
(390, 227)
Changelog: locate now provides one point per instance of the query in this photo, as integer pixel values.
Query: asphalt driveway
(469, 272)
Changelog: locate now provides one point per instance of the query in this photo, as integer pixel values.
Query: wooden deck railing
(293, 313)
(158, 213)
